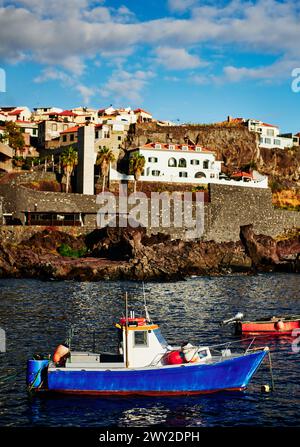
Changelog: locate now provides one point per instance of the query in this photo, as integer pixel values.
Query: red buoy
(174, 358)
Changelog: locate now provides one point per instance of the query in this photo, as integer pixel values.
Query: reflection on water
(36, 316)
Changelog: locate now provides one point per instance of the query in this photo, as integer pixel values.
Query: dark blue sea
(36, 316)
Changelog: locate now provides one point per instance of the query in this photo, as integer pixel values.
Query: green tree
(14, 136)
(105, 156)
(69, 159)
(136, 165)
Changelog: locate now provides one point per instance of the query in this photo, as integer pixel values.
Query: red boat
(282, 325)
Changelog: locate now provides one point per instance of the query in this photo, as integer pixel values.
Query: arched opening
(172, 163)
(182, 163)
(200, 175)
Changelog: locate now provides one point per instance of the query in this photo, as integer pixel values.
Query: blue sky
(185, 60)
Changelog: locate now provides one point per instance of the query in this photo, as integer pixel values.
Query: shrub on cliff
(66, 250)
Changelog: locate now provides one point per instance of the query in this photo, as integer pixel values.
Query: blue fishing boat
(144, 364)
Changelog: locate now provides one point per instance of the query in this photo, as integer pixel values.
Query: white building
(180, 163)
(28, 127)
(270, 135)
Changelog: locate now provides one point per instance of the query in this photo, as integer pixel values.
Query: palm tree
(136, 164)
(105, 156)
(69, 159)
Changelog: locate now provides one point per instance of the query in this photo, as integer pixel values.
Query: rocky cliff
(131, 254)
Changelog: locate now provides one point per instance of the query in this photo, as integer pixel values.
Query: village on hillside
(86, 151)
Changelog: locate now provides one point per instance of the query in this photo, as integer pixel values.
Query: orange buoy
(279, 325)
(60, 352)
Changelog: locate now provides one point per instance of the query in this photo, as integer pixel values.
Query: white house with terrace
(183, 163)
(270, 137)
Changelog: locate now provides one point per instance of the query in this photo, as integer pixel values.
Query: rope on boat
(271, 370)
(30, 387)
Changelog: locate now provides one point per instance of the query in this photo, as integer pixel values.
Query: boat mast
(126, 330)
(145, 304)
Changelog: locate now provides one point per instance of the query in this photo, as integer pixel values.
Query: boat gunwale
(209, 362)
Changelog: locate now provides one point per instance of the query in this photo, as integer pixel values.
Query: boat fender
(190, 353)
(60, 354)
(279, 325)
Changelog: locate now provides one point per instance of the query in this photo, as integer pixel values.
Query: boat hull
(267, 327)
(227, 375)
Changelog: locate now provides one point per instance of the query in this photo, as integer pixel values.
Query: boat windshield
(160, 337)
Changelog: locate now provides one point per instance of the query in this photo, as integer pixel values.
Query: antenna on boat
(126, 330)
(145, 304)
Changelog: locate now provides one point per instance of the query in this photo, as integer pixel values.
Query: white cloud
(177, 58)
(86, 93)
(52, 74)
(181, 5)
(126, 85)
(277, 71)
(68, 81)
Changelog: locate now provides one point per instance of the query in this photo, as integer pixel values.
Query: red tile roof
(71, 130)
(67, 113)
(268, 125)
(242, 174)
(177, 147)
(16, 112)
(141, 110)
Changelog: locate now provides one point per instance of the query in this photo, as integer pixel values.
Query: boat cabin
(140, 342)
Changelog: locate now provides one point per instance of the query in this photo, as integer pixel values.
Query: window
(140, 338)
(33, 131)
(156, 173)
(206, 164)
(54, 127)
(172, 163)
(183, 174)
(65, 127)
(268, 140)
(97, 134)
(119, 138)
(200, 175)
(185, 148)
(157, 146)
(212, 175)
(182, 163)
(72, 137)
(277, 142)
(152, 160)
(261, 140)
(270, 132)
(198, 148)
(64, 138)
(195, 162)
(171, 147)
